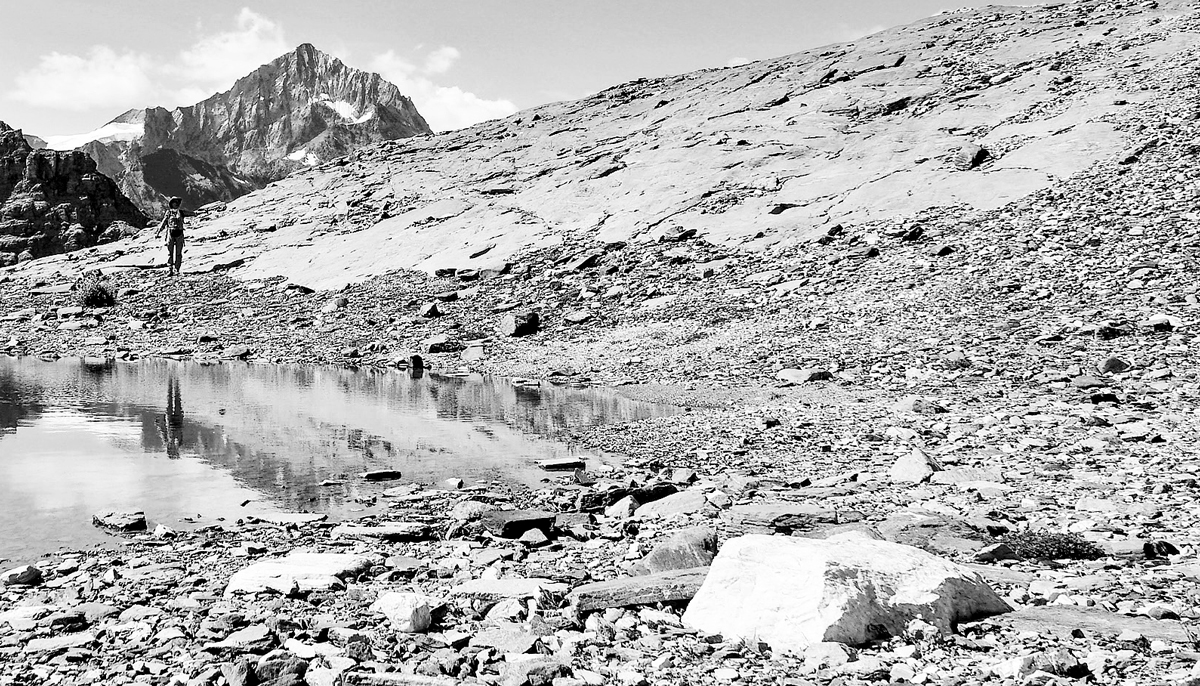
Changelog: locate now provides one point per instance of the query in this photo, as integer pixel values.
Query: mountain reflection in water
(178, 439)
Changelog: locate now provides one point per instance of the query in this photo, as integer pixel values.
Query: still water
(190, 444)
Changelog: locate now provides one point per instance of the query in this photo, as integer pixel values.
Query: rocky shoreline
(1011, 391)
(587, 580)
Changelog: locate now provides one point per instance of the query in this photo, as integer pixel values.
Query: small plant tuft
(1047, 545)
(91, 291)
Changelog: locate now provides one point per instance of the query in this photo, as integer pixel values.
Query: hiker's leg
(177, 254)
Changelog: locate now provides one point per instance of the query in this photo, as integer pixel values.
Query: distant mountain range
(300, 110)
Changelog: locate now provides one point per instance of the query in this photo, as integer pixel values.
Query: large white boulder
(795, 592)
(299, 572)
(409, 612)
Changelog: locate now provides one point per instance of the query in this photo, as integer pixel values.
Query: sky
(76, 64)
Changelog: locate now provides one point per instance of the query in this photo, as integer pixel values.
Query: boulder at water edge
(794, 592)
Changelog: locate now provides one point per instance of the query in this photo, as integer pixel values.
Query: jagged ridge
(301, 109)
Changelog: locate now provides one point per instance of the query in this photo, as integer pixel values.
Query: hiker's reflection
(171, 428)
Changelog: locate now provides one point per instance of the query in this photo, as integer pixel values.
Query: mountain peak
(299, 110)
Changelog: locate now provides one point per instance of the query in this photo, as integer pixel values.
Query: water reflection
(271, 434)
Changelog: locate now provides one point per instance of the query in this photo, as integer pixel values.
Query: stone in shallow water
(285, 518)
(794, 592)
(382, 475)
(298, 572)
(120, 521)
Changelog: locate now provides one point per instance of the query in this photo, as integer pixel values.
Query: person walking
(172, 223)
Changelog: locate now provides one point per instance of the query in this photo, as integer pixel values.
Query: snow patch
(114, 131)
(305, 157)
(345, 110)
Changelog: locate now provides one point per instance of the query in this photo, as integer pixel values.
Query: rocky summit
(52, 202)
(928, 299)
(300, 110)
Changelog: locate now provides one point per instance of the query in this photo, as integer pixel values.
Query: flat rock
(1061, 620)
(387, 531)
(680, 584)
(298, 572)
(795, 592)
(287, 518)
(561, 464)
(256, 638)
(683, 502)
(686, 549)
(395, 679)
(959, 475)
(382, 475)
(775, 518)
(803, 375)
(508, 638)
(492, 590)
(932, 531)
(56, 644)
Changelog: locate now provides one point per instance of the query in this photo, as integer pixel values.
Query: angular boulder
(410, 612)
(21, 576)
(516, 325)
(683, 502)
(513, 523)
(914, 467)
(120, 521)
(686, 549)
(793, 592)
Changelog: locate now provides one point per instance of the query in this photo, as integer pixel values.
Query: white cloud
(444, 107)
(439, 61)
(217, 60)
(102, 78)
(738, 61)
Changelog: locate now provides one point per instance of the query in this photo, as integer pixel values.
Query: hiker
(172, 221)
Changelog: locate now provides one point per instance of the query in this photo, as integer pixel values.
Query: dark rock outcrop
(298, 111)
(52, 202)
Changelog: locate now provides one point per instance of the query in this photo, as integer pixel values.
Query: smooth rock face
(792, 592)
(298, 572)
